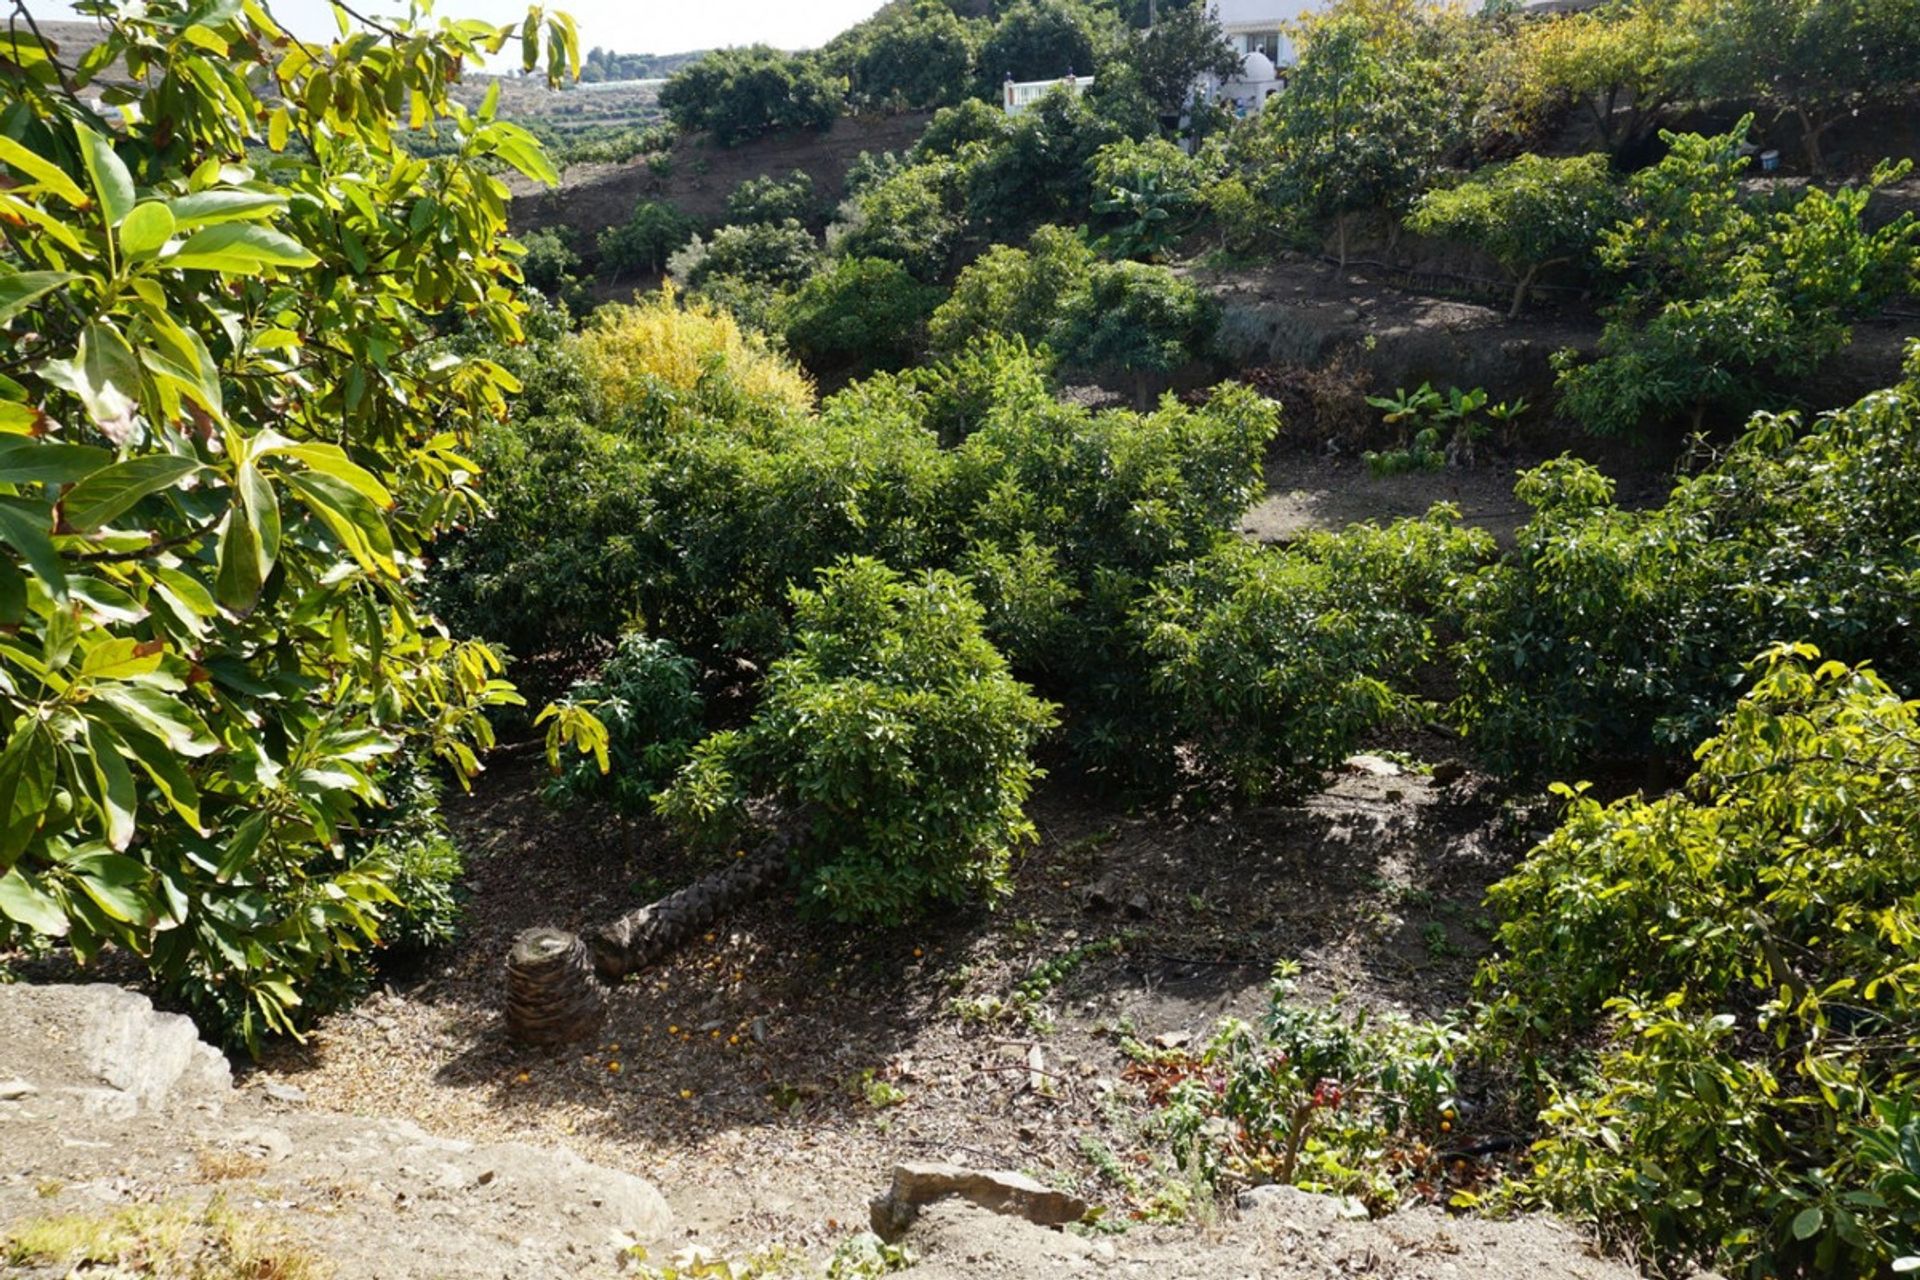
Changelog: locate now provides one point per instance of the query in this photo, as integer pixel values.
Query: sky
(624, 26)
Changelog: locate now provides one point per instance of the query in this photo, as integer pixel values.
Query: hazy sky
(625, 26)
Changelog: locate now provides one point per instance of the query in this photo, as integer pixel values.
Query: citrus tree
(227, 439)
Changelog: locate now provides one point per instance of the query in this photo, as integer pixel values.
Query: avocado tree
(1816, 61)
(1531, 214)
(227, 438)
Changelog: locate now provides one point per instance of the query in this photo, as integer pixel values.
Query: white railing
(1018, 95)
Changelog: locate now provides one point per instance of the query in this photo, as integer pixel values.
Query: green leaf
(239, 248)
(157, 759)
(355, 521)
(112, 490)
(13, 594)
(163, 715)
(117, 884)
(27, 527)
(111, 788)
(121, 658)
(238, 578)
(146, 229)
(1807, 1223)
(209, 208)
(19, 288)
(105, 375)
(43, 462)
(111, 181)
(28, 768)
(43, 172)
(25, 902)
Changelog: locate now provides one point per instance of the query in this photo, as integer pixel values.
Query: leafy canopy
(226, 439)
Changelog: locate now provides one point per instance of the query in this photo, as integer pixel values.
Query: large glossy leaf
(147, 228)
(25, 902)
(45, 462)
(18, 289)
(113, 490)
(163, 715)
(109, 784)
(239, 248)
(209, 208)
(112, 184)
(28, 769)
(105, 375)
(27, 527)
(42, 171)
(117, 884)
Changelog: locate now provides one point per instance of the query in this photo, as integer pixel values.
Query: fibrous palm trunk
(554, 990)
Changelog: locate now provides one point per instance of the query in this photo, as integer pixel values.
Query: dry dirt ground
(768, 1077)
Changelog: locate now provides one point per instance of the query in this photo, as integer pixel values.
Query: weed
(207, 1242)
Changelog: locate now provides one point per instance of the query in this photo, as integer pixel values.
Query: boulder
(999, 1191)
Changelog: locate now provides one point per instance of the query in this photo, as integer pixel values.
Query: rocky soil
(106, 1104)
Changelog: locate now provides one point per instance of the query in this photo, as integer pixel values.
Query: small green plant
(866, 1256)
(876, 1091)
(1434, 429)
(1315, 1097)
(647, 700)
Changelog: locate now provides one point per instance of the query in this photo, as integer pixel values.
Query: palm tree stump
(553, 996)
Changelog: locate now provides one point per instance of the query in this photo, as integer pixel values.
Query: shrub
(1135, 321)
(894, 727)
(1725, 301)
(646, 695)
(910, 217)
(1744, 954)
(1531, 214)
(1038, 40)
(645, 241)
(1147, 194)
(1626, 65)
(631, 353)
(953, 129)
(862, 313)
(1315, 1098)
(1009, 292)
(1173, 54)
(228, 442)
(1369, 111)
(1275, 662)
(549, 262)
(771, 200)
(742, 93)
(1040, 173)
(1623, 632)
(767, 255)
(914, 57)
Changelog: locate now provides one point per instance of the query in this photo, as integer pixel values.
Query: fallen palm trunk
(554, 990)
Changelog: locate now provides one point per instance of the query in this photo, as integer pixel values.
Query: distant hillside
(699, 174)
(603, 65)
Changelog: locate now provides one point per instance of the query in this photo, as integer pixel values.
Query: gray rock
(283, 1092)
(1296, 1205)
(14, 1090)
(999, 1191)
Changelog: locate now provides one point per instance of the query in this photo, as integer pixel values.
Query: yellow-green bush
(662, 343)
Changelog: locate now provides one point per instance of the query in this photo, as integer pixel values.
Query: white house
(1257, 29)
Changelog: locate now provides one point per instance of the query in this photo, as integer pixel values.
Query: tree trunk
(640, 937)
(552, 994)
(1520, 289)
(555, 991)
